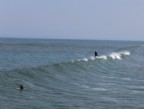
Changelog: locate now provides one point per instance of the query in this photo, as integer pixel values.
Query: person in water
(21, 87)
(96, 54)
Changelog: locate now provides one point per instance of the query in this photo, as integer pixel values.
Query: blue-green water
(64, 74)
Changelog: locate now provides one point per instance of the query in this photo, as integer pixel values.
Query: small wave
(117, 55)
(91, 58)
(95, 89)
(100, 89)
(85, 86)
(127, 79)
(110, 99)
(85, 59)
(102, 57)
(113, 55)
(124, 53)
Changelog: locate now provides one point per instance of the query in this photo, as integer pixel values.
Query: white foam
(85, 59)
(115, 55)
(125, 52)
(79, 60)
(98, 57)
(102, 57)
(92, 58)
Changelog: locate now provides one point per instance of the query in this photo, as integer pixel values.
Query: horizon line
(66, 39)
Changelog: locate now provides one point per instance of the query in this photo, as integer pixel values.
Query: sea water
(65, 74)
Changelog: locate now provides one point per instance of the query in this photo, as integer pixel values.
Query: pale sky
(73, 19)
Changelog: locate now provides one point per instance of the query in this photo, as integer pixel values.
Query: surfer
(21, 87)
(96, 54)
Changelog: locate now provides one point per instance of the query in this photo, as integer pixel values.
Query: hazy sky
(73, 19)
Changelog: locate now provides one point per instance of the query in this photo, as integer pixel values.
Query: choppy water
(64, 74)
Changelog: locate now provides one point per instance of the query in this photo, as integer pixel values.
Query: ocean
(65, 74)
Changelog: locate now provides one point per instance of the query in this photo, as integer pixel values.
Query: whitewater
(65, 74)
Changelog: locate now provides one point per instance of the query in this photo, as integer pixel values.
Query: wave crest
(117, 55)
(113, 55)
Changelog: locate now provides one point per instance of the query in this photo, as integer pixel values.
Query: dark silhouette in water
(21, 87)
(96, 54)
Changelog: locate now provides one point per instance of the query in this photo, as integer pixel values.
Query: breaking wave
(113, 55)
